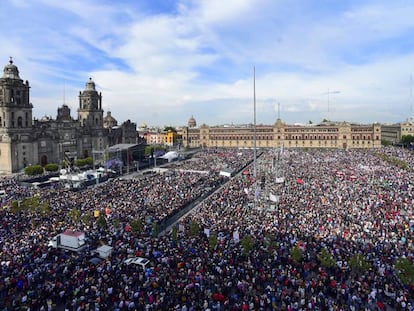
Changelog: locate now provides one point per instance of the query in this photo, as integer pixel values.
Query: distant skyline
(160, 62)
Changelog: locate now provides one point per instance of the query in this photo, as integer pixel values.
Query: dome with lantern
(192, 122)
(109, 121)
(10, 71)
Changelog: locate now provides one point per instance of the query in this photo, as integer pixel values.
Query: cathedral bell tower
(17, 147)
(15, 108)
(90, 113)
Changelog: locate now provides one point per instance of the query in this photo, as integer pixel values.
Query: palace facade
(26, 141)
(341, 135)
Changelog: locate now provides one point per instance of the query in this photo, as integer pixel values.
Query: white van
(140, 261)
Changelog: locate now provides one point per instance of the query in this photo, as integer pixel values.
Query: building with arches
(342, 135)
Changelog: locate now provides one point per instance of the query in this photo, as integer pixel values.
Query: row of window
(308, 130)
(288, 137)
(267, 137)
(368, 130)
(13, 123)
(333, 142)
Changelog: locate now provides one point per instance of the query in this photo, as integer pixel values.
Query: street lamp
(155, 156)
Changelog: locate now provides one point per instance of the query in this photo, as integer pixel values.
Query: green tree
(194, 228)
(116, 223)
(80, 162)
(51, 167)
(136, 226)
(269, 242)
(212, 241)
(170, 128)
(155, 229)
(359, 263)
(101, 222)
(16, 207)
(247, 243)
(149, 150)
(407, 139)
(87, 217)
(296, 254)
(33, 170)
(385, 142)
(31, 204)
(43, 208)
(326, 258)
(89, 161)
(174, 233)
(405, 271)
(74, 215)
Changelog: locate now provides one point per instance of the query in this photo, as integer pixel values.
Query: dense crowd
(345, 203)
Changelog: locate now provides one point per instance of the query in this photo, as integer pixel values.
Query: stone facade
(26, 141)
(341, 135)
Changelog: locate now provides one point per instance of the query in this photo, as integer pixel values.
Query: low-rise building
(392, 133)
(342, 135)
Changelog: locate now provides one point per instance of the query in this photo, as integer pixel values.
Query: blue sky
(160, 62)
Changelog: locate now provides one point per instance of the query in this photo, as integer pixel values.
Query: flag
(280, 180)
(257, 193)
(207, 232)
(236, 236)
(273, 197)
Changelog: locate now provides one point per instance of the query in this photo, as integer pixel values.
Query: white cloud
(199, 58)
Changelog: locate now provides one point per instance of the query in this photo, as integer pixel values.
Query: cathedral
(26, 141)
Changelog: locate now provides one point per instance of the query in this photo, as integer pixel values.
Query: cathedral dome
(109, 121)
(90, 85)
(11, 71)
(192, 122)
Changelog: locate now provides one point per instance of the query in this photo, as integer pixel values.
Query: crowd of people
(254, 244)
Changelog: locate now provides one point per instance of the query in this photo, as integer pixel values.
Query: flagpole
(254, 139)
(254, 125)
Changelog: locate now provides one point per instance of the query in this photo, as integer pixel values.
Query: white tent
(170, 156)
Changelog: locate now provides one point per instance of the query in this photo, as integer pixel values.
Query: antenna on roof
(411, 95)
(278, 110)
(329, 100)
(64, 93)
(254, 124)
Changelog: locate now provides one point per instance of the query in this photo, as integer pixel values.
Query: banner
(273, 197)
(236, 237)
(280, 180)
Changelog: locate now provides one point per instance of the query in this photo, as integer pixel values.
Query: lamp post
(155, 156)
(254, 139)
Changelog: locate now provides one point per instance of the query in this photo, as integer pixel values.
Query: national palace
(325, 135)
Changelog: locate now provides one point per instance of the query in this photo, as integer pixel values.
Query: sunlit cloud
(161, 62)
